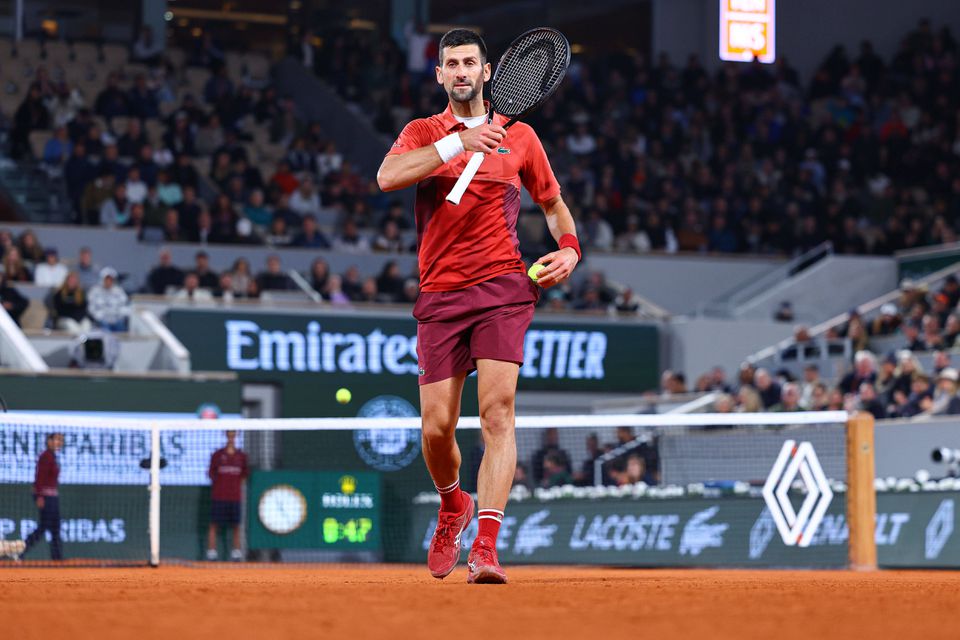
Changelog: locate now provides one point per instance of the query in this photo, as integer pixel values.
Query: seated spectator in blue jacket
(58, 149)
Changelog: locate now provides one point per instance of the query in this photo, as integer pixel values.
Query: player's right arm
(411, 159)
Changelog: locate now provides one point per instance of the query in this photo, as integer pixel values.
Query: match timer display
(321, 510)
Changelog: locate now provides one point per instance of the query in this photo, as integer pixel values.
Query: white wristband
(449, 147)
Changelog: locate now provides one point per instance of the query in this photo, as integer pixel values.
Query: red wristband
(570, 240)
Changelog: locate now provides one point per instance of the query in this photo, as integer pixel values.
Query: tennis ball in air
(343, 396)
(534, 271)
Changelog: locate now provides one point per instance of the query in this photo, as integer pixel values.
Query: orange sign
(748, 30)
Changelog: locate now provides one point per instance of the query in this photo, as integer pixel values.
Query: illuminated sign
(748, 30)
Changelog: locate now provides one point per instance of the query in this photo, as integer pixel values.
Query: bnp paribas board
(311, 354)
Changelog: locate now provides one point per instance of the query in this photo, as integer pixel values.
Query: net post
(861, 495)
(155, 495)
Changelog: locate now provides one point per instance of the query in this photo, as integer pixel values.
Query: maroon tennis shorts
(487, 320)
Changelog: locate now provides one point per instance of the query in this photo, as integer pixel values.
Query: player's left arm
(559, 263)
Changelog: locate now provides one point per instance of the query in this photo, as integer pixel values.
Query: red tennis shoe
(444, 550)
(483, 563)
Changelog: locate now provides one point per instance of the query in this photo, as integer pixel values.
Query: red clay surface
(176, 603)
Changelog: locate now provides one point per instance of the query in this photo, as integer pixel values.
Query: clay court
(404, 602)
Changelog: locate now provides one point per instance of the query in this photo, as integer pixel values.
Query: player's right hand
(485, 138)
(40, 502)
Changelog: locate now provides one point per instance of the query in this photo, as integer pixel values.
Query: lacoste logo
(700, 533)
(503, 151)
(534, 534)
(421, 371)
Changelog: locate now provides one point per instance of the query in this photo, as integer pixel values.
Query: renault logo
(797, 528)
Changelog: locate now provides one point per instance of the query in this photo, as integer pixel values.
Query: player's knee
(438, 428)
(497, 419)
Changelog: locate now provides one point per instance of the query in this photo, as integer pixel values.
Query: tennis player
(476, 301)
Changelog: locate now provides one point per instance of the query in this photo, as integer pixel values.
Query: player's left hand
(559, 266)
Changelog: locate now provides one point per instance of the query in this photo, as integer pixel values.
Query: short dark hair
(460, 37)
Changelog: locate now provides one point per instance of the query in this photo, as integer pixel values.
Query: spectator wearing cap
(108, 304)
(887, 322)
(945, 398)
(51, 272)
(911, 336)
(864, 370)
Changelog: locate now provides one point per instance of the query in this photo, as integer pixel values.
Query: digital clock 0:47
(354, 530)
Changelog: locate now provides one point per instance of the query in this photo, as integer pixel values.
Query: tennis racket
(527, 74)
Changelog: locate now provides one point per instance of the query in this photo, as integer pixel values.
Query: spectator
(136, 189)
(941, 361)
(274, 279)
(585, 477)
(319, 274)
(352, 282)
(168, 191)
(112, 101)
(350, 240)
(165, 276)
(256, 211)
(133, 140)
(887, 322)
(192, 292)
(555, 473)
(305, 201)
(115, 211)
(389, 239)
(867, 400)
(768, 389)
(390, 282)
(146, 50)
(30, 248)
(30, 116)
(864, 370)
(789, 399)
(945, 398)
(58, 149)
(70, 307)
(50, 273)
(550, 445)
(636, 471)
(108, 303)
(14, 268)
(310, 235)
(171, 227)
(87, 270)
(12, 300)
(208, 278)
(334, 291)
(784, 312)
(811, 377)
(241, 276)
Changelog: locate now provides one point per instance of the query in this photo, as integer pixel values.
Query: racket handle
(465, 178)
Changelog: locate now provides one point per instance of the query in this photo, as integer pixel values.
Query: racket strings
(529, 72)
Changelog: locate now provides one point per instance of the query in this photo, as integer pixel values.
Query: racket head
(529, 72)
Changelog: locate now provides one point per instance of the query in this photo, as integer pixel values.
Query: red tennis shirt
(228, 471)
(461, 245)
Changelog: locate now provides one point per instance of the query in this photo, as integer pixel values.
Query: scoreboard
(748, 30)
(325, 510)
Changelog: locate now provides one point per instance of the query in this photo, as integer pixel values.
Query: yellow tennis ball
(343, 396)
(534, 271)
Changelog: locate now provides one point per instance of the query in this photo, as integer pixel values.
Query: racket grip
(465, 178)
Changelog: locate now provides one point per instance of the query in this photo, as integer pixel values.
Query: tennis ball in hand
(535, 270)
(343, 396)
